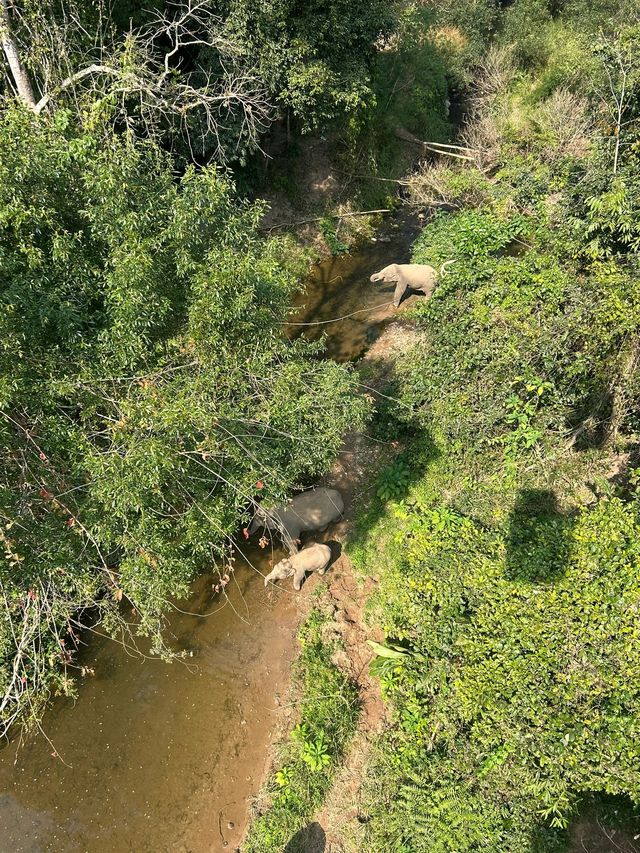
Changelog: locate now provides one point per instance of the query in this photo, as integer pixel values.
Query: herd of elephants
(314, 510)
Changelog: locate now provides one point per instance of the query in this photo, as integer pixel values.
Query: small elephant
(314, 558)
(420, 277)
(312, 510)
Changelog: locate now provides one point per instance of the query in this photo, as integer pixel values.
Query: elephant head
(260, 519)
(389, 273)
(281, 570)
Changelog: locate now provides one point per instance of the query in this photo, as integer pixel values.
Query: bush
(146, 388)
(517, 692)
(507, 591)
(309, 757)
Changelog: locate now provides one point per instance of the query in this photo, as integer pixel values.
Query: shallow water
(166, 757)
(340, 286)
(155, 756)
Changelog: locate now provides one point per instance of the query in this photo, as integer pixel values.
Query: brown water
(340, 286)
(155, 756)
(167, 757)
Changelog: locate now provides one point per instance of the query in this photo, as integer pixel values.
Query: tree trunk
(10, 48)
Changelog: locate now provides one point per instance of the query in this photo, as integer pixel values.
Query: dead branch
(71, 81)
(216, 102)
(405, 135)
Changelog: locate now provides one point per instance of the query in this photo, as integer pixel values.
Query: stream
(154, 757)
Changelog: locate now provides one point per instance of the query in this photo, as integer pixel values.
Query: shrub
(516, 691)
(146, 387)
(309, 757)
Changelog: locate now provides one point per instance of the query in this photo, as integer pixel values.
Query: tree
(12, 55)
(147, 394)
(205, 77)
(315, 58)
(178, 76)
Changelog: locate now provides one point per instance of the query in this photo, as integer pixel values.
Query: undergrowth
(308, 759)
(506, 552)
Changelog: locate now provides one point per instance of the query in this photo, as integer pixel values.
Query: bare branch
(12, 53)
(71, 81)
(216, 101)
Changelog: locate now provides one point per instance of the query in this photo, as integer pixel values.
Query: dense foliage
(315, 58)
(206, 78)
(148, 394)
(507, 561)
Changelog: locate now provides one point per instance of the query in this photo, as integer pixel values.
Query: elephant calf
(420, 277)
(312, 510)
(314, 558)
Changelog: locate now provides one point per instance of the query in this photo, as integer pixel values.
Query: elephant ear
(392, 273)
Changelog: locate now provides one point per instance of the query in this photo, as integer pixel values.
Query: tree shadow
(311, 839)
(605, 823)
(411, 449)
(539, 540)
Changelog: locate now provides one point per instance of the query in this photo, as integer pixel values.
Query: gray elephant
(421, 277)
(312, 510)
(314, 558)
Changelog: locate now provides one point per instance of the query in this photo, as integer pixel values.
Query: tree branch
(12, 53)
(71, 80)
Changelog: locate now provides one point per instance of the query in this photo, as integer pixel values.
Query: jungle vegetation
(148, 395)
(505, 535)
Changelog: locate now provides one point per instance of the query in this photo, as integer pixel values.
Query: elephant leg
(298, 579)
(399, 292)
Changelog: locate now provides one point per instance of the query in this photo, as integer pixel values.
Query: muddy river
(167, 757)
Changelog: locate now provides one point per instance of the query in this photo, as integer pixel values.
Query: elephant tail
(445, 265)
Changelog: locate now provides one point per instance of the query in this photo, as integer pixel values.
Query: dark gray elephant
(421, 277)
(312, 510)
(313, 558)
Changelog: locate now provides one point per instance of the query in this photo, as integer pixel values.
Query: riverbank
(279, 816)
(177, 753)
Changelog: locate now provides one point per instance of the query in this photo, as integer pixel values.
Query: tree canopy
(205, 78)
(148, 394)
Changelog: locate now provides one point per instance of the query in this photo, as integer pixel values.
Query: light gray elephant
(313, 558)
(420, 277)
(312, 510)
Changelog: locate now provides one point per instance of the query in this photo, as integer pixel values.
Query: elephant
(312, 510)
(313, 558)
(420, 277)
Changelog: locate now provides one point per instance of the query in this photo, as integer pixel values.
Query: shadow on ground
(605, 824)
(311, 839)
(539, 538)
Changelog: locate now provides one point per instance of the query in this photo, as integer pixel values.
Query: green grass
(309, 757)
